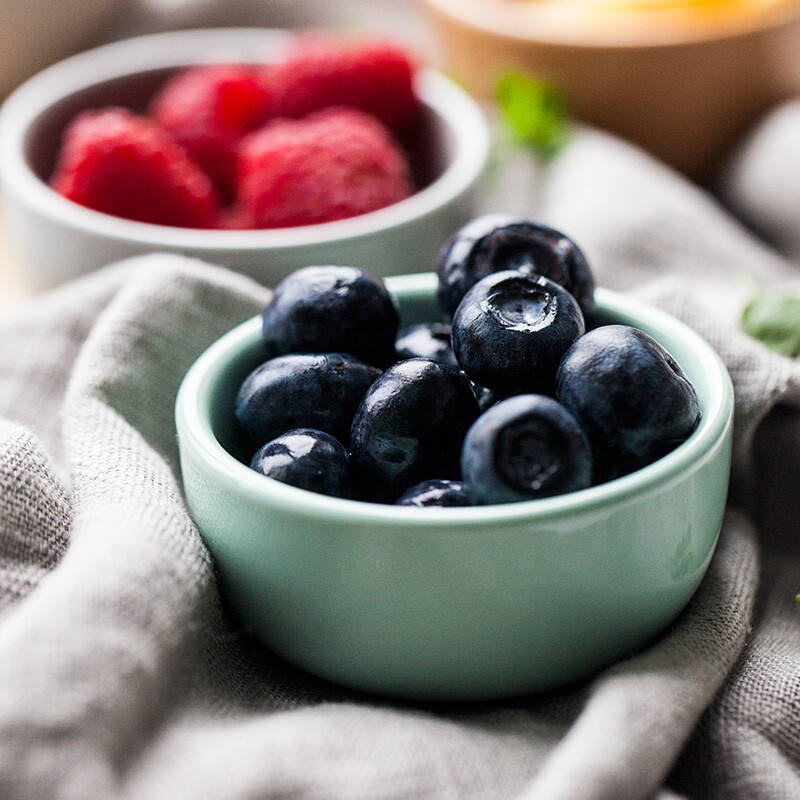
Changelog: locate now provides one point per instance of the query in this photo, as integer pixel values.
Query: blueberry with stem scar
(499, 242)
(523, 448)
(511, 330)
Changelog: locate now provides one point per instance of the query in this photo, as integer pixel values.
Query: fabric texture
(122, 675)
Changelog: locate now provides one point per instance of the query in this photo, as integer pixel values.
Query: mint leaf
(534, 113)
(774, 320)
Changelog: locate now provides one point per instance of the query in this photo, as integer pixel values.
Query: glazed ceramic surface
(57, 240)
(457, 603)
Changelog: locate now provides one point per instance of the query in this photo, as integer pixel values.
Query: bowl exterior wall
(54, 253)
(461, 612)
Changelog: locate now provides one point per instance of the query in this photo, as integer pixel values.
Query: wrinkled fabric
(122, 674)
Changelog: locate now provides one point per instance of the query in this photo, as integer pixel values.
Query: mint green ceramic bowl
(457, 603)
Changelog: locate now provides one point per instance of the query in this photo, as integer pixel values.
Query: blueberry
(486, 397)
(436, 492)
(426, 340)
(629, 395)
(525, 447)
(331, 310)
(410, 427)
(498, 242)
(302, 391)
(308, 459)
(511, 330)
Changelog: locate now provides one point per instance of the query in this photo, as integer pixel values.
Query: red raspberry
(374, 76)
(334, 164)
(118, 163)
(207, 110)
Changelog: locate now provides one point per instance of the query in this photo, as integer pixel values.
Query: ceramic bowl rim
(172, 49)
(194, 424)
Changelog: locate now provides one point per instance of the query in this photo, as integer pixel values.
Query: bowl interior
(222, 369)
(430, 145)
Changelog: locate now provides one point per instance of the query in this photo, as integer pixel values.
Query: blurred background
(684, 79)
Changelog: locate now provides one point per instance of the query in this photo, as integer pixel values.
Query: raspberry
(207, 110)
(334, 164)
(122, 164)
(374, 76)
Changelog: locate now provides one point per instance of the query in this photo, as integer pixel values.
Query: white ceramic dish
(56, 240)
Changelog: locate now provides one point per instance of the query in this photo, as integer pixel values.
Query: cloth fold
(123, 676)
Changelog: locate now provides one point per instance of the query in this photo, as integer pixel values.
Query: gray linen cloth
(122, 676)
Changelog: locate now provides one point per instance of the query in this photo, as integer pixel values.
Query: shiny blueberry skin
(435, 492)
(523, 448)
(486, 397)
(410, 427)
(426, 340)
(498, 242)
(308, 459)
(629, 395)
(320, 391)
(331, 309)
(511, 330)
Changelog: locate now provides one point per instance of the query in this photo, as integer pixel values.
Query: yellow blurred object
(664, 20)
(620, 21)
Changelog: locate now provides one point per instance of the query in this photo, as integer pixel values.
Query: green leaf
(774, 320)
(534, 113)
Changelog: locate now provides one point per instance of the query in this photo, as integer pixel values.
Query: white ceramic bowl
(56, 240)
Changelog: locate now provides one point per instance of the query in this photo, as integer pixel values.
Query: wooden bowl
(682, 79)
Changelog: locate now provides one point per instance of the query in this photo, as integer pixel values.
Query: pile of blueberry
(509, 399)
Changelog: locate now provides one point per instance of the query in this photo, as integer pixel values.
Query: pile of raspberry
(312, 138)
